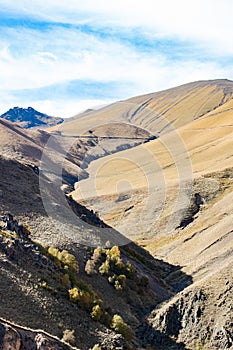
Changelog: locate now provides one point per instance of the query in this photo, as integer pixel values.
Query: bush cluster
(120, 326)
(90, 267)
(84, 296)
(119, 282)
(68, 263)
(64, 259)
(108, 263)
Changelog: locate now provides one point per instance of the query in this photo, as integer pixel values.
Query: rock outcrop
(18, 338)
(199, 317)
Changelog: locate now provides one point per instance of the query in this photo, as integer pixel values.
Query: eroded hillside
(87, 296)
(150, 193)
(172, 195)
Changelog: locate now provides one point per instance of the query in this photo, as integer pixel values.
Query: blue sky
(61, 58)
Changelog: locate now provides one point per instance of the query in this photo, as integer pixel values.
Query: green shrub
(119, 282)
(68, 260)
(53, 251)
(104, 268)
(80, 297)
(111, 279)
(113, 267)
(84, 296)
(117, 265)
(113, 253)
(121, 327)
(96, 313)
(130, 271)
(117, 285)
(44, 285)
(74, 294)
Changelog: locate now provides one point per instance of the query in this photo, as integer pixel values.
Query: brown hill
(36, 284)
(193, 150)
(149, 193)
(156, 112)
(27, 146)
(122, 125)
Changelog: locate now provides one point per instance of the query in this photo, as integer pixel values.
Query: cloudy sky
(62, 57)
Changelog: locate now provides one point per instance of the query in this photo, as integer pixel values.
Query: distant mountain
(30, 118)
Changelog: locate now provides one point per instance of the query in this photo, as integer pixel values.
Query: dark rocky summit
(30, 118)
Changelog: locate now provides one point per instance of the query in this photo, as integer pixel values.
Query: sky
(64, 57)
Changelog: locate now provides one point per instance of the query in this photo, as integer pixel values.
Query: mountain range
(153, 173)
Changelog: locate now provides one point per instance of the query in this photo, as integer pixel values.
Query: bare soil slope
(156, 112)
(149, 193)
(34, 291)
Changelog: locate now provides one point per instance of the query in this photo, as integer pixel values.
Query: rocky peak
(29, 118)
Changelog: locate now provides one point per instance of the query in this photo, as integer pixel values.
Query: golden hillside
(151, 172)
(174, 196)
(156, 111)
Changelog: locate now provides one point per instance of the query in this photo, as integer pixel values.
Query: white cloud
(208, 22)
(5, 55)
(150, 76)
(46, 57)
(61, 108)
(79, 56)
(40, 57)
(67, 108)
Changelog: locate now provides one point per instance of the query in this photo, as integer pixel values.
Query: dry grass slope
(202, 129)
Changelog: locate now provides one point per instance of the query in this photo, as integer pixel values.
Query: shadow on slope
(158, 340)
(20, 195)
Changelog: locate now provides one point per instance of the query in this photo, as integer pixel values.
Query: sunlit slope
(147, 191)
(205, 243)
(125, 124)
(207, 142)
(156, 111)
(181, 105)
(150, 178)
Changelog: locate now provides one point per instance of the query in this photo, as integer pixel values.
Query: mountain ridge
(30, 118)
